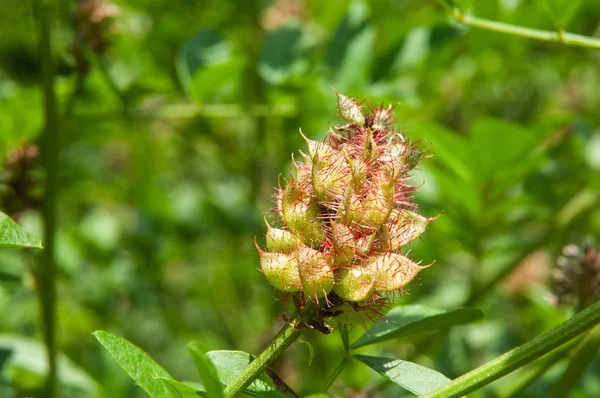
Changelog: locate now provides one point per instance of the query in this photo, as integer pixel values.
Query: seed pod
(315, 272)
(280, 240)
(392, 271)
(343, 244)
(402, 227)
(370, 211)
(350, 110)
(281, 270)
(353, 284)
(331, 173)
(300, 212)
(347, 212)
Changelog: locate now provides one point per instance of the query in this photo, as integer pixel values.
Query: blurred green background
(176, 118)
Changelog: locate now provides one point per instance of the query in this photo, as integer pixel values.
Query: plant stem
(560, 36)
(527, 376)
(521, 355)
(284, 338)
(46, 271)
(338, 370)
(577, 365)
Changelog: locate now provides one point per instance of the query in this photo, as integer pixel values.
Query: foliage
(176, 118)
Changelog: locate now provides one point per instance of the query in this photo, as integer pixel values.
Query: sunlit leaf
(142, 369)
(561, 11)
(206, 370)
(13, 236)
(179, 390)
(410, 320)
(415, 378)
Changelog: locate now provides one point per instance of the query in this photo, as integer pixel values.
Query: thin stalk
(284, 338)
(521, 355)
(46, 272)
(517, 386)
(578, 364)
(338, 370)
(561, 36)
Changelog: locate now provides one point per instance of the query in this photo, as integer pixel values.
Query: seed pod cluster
(346, 213)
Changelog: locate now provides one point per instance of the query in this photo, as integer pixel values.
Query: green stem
(533, 372)
(338, 370)
(284, 338)
(578, 364)
(46, 272)
(563, 37)
(521, 355)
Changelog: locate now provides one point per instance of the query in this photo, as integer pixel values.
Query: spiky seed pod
(347, 214)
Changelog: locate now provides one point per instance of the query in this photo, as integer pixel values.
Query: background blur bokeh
(176, 118)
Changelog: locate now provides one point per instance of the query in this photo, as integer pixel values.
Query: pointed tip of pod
(393, 271)
(349, 109)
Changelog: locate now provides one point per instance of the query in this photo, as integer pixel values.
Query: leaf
(448, 147)
(500, 146)
(179, 390)
(344, 334)
(284, 54)
(13, 236)
(415, 378)
(142, 369)
(561, 11)
(409, 320)
(206, 370)
(230, 364)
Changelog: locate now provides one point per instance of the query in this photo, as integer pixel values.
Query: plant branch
(46, 270)
(521, 355)
(560, 36)
(284, 338)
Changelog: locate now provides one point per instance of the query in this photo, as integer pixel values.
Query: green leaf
(179, 390)
(206, 370)
(500, 146)
(410, 320)
(561, 11)
(13, 236)
(415, 378)
(344, 334)
(142, 369)
(230, 364)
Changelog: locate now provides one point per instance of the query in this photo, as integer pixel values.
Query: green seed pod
(372, 210)
(353, 284)
(281, 270)
(280, 240)
(331, 173)
(402, 227)
(350, 110)
(343, 244)
(344, 219)
(300, 212)
(392, 271)
(315, 272)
